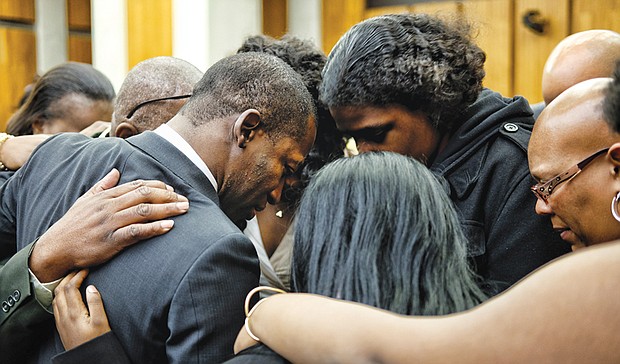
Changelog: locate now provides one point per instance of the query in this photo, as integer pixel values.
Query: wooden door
(80, 39)
(599, 14)
(18, 63)
(338, 16)
(532, 48)
(149, 30)
(492, 22)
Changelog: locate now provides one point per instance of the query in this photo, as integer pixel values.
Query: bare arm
(15, 152)
(565, 312)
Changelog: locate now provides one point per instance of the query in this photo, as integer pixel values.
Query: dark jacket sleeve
(22, 319)
(9, 187)
(102, 349)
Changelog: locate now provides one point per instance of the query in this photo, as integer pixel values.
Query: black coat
(485, 171)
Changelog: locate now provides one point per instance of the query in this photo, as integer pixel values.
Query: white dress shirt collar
(175, 139)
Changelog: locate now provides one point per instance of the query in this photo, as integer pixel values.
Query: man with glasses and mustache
(574, 156)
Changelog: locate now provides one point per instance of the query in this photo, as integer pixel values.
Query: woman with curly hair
(412, 84)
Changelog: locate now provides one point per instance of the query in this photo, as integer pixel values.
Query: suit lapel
(172, 158)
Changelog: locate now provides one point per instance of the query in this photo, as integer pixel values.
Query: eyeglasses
(544, 190)
(133, 111)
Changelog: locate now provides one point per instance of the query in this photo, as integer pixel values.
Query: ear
(246, 126)
(37, 126)
(614, 157)
(125, 130)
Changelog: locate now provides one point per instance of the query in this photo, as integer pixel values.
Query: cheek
(419, 150)
(57, 126)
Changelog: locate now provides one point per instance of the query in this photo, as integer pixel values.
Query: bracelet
(3, 138)
(249, 313)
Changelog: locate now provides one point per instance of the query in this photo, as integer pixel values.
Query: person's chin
(570, 237)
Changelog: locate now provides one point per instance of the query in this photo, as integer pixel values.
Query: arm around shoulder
(561, 313)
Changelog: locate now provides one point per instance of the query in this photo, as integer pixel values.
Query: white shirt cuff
(43, 292)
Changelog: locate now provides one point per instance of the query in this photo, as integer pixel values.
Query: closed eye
(372, 135)
(289, 171)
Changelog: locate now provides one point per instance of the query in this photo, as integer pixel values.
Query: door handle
(533, 20)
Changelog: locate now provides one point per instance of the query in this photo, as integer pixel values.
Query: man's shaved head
(151, 79)
(572, 123)
(572, 143)
(579, 57)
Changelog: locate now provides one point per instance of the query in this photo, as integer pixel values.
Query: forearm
(565, 313)
(310, 328)
(48, 262)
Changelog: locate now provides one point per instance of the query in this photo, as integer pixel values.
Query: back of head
(415, 60)
(611, 105)
(378, 229)
(70, 78)
(307, 60)
(152, 79)
(579, 57)
(253, 81)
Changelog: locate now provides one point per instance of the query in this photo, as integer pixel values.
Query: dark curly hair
(611, 105)
(307, 60)
(415, 60)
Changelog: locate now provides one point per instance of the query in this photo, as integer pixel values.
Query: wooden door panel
(492, 22)
(274, 18)
(17, 10)
(440, 8)
(531, 48)
(382, 10)
(149, 30)
(18, 63)
(338, 17)
(78, 14)
(80, 48)
(599, 14)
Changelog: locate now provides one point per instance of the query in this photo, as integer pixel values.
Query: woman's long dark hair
(378, 229)
(65, 79)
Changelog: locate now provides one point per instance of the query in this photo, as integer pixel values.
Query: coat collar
(174, 160)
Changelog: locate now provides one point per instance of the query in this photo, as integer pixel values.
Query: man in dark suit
(230, 150)
(102, 222)
(25, 304)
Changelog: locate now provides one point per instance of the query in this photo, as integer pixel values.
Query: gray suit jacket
(174, 298)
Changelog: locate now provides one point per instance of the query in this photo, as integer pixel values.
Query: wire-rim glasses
(545, 189)
(177, 97)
